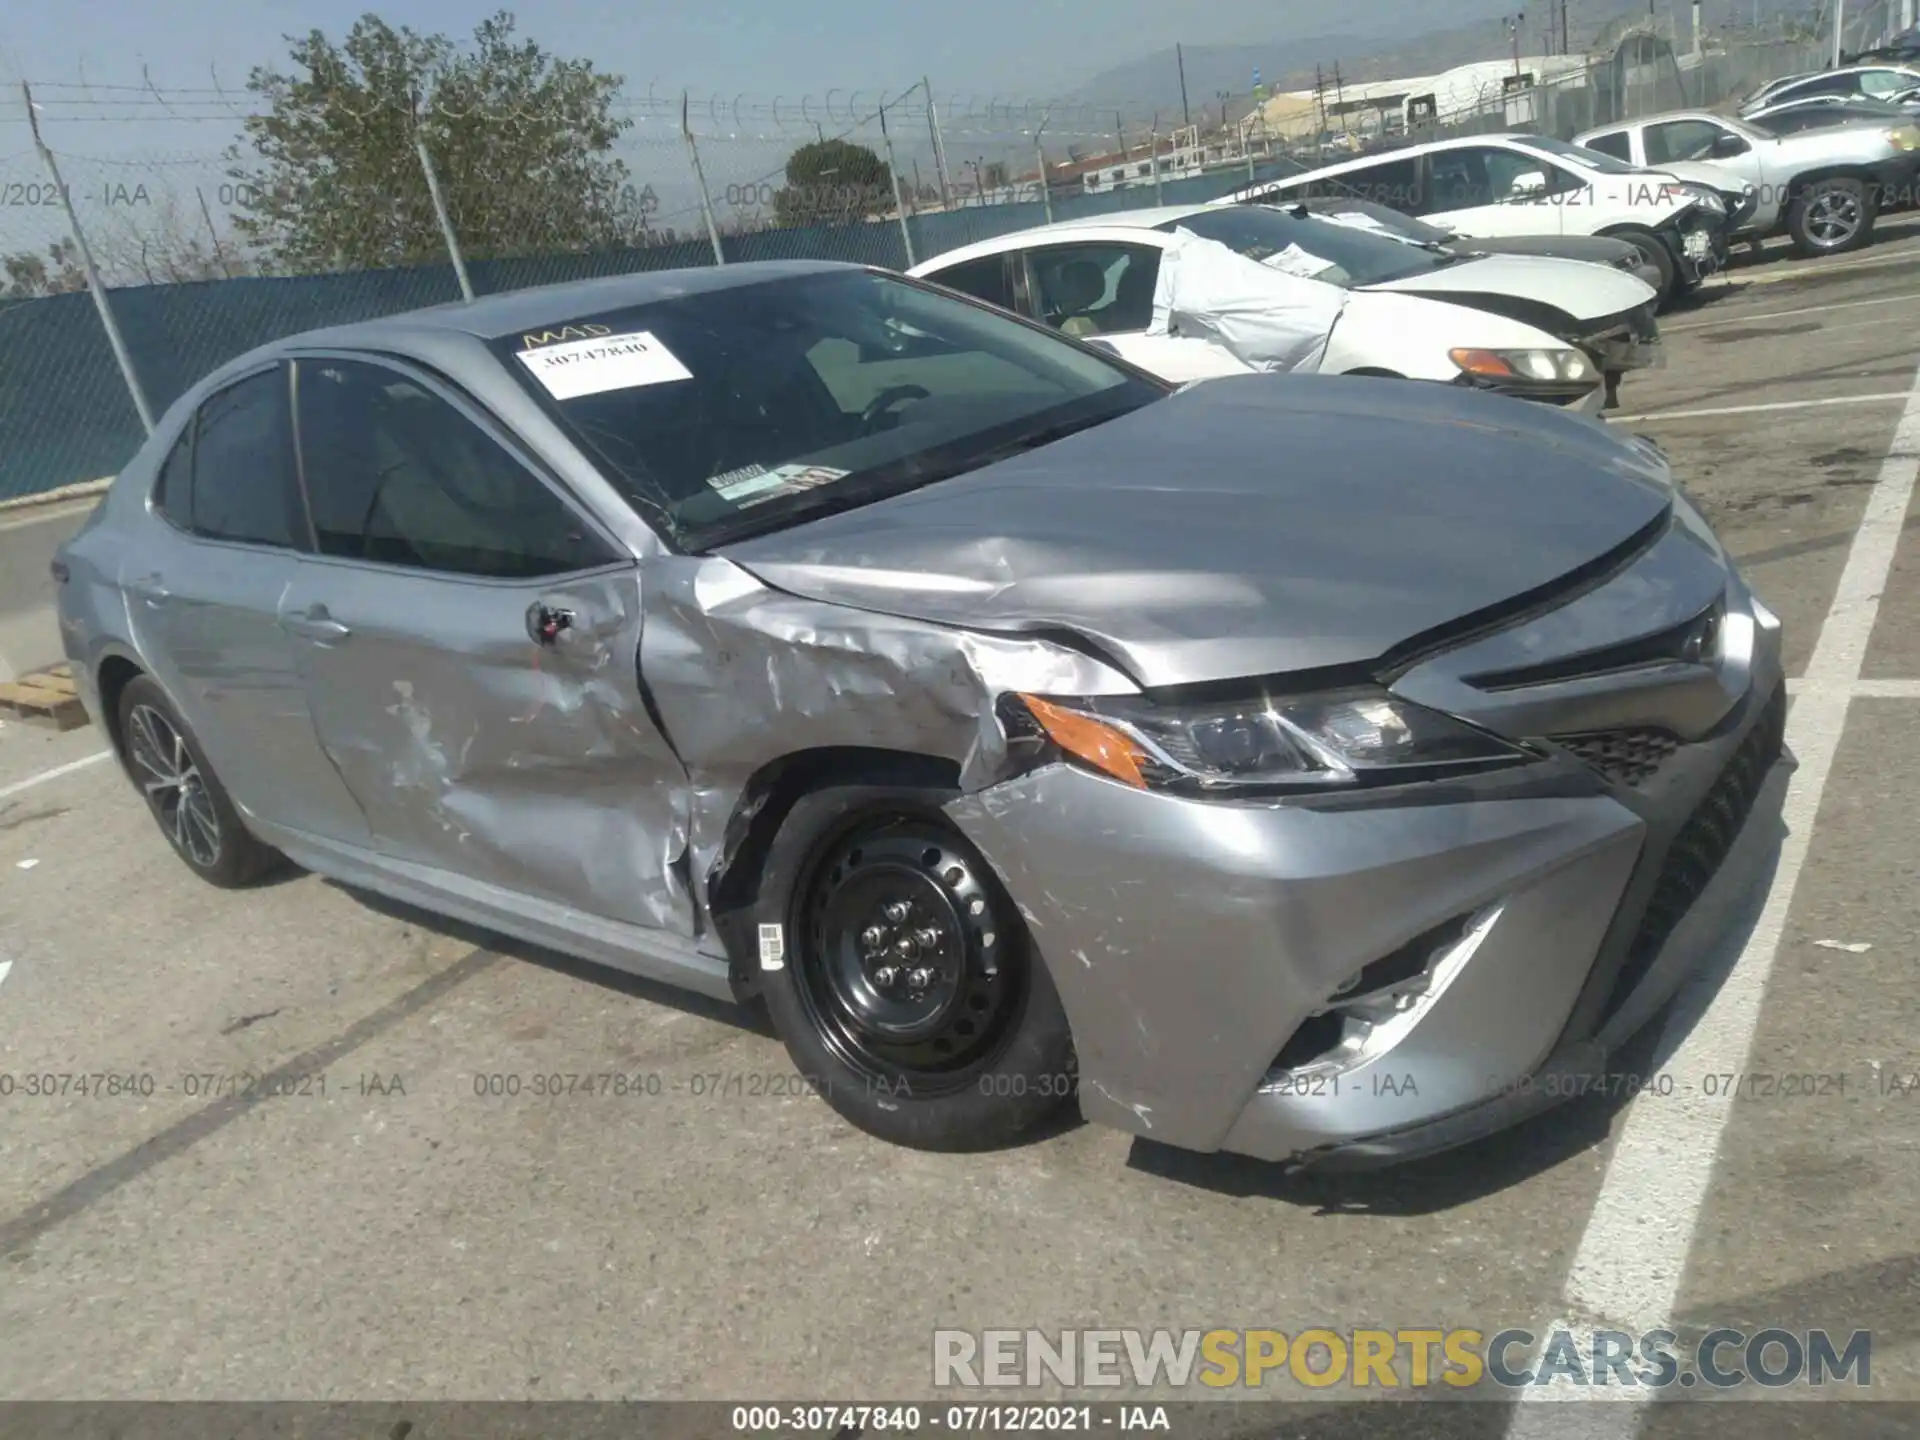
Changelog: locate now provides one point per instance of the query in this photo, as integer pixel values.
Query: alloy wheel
(1834, 218)
(906, 970)
(175, 789)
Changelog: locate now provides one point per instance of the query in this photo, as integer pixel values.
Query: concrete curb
(55, 497)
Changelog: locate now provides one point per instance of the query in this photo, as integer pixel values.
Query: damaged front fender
(744, 677)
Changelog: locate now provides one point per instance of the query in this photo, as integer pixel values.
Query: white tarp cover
(1360, 220)
(1264, 317)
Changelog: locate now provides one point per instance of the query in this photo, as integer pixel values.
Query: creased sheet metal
(742, 675)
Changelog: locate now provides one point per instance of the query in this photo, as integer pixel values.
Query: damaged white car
(1196, 292)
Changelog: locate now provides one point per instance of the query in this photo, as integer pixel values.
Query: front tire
(188, 802)
(1655, 252)
(1832, 217)
(902, 979)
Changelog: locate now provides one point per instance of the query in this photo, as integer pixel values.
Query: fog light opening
(1373, 1009)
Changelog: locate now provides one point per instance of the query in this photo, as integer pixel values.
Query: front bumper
(1197, 943)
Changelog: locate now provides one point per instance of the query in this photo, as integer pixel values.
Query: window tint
(173, 492)
(396, 475)
(1095, 289)
(1615, 145)
(243, 463)
(1393, 183)
(1681, 140)
(983, 279)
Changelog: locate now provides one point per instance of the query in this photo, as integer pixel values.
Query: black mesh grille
(1626, 757)
(1702, 844)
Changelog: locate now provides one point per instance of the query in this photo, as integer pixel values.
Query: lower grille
(1626, 757)
(1701, 846)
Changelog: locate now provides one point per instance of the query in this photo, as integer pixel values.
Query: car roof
(491, 316)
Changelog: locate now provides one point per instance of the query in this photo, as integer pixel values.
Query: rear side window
(243, 464)
(173, 495)
(1392, 183)
(1614, 145)
(983, 279)
(396, 475)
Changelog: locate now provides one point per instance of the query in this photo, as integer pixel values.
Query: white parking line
(1747, 319)
(1633, 1255)
(1886, 397)
(1865, 689)
(9, 791)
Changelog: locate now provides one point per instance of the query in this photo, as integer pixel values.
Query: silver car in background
(1301, 767)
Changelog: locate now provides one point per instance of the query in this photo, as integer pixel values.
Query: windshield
(1315, 249)
(737, 411)
(1579, 154)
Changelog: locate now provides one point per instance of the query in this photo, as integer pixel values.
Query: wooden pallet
(46, 697)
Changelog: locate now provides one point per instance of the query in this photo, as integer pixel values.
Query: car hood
(1246, 526)
(1583, 291)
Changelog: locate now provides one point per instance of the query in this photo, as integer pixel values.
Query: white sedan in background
(1195, 292)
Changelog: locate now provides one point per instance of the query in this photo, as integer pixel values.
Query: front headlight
(1904, 137)
(1563, 366)
(1331, 740)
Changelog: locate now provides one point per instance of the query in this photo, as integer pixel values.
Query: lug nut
(905, 948)
(885, 976)
(874, 937)
(927, 939)
(920, 979)
(896, 911)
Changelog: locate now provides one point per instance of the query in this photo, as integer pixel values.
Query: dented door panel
(476, 746)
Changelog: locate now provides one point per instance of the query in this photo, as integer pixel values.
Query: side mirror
(1728, 145)
(1527, 185)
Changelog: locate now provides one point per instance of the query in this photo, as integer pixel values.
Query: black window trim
(190, 431)
(490, 425)
(1009, 272)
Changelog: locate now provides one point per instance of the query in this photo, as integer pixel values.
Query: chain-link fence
(201, 253)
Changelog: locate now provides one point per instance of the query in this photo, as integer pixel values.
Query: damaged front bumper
(1366, 978)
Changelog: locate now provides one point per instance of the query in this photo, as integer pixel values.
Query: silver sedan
(1296, 766)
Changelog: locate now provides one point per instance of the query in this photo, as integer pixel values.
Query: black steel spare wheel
(904, 983)
(902, 964)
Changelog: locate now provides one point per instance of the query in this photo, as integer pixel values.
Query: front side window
(1102, 289)
(1677, 140)
(1318, 249)
(746, 408)
(1585, 157)
(243, 464)
(1885, 82)
(397, 475)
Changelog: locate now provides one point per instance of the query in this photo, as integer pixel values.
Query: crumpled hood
(1583, 291)
(1247, 526)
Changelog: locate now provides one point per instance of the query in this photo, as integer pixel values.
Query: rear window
(734, 411)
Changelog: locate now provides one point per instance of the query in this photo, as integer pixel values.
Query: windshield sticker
(1295, 261)
(747, 480)
(786, 480)
(600, 363)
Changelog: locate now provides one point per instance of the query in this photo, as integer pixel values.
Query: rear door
(205, 602)
(470, 647)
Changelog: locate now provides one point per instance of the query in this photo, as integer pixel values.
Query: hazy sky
(760, 46)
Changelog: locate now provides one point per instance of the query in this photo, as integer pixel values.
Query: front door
(470, 645)
(204, 601)
(1488, 190)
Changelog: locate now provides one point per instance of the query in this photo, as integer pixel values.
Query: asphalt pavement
(391, 1228)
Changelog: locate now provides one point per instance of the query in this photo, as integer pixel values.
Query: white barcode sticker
(773, 947)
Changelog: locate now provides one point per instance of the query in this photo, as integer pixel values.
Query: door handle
(546, 623)
(316, 624)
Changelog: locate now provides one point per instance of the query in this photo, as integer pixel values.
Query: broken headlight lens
(1336, 739)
